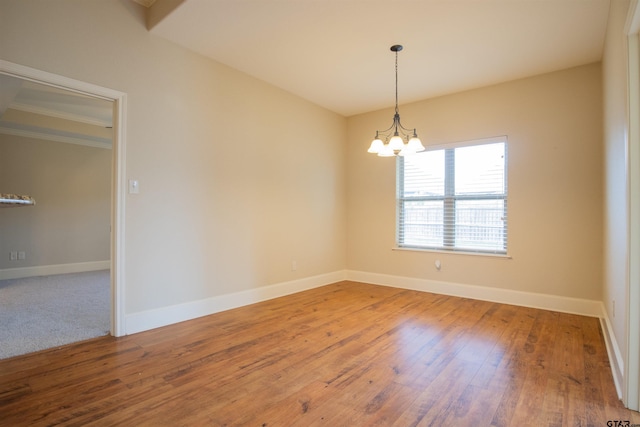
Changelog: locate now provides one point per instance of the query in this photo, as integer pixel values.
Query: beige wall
(553, 124)
(616, 206)
(72, 187)
(237, 178)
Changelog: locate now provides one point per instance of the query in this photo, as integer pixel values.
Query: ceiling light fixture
(396, 140)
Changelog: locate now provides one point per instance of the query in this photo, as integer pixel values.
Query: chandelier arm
(397, 127)
(409, 130)
(387, 129)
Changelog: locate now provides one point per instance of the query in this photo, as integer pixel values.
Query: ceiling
(36, 110)
(336, 54)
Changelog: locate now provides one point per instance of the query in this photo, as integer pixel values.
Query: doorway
(116, 238)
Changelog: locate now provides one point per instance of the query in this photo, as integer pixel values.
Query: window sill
(440, 251)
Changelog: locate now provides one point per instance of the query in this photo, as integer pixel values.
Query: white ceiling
(335, 53)
(36, 110)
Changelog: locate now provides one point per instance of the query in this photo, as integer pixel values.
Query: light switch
(134, 187)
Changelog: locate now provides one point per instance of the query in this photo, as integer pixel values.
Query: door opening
(117, 217)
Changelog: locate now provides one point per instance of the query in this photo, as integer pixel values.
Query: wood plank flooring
(347, 354)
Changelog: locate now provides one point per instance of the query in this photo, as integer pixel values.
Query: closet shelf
(15, 200)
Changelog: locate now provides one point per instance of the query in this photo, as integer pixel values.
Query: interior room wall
(616, 218)
(553, 124)
(238, 179)
(72, 187)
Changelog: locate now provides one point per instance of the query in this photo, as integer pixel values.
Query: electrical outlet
(22, 255)
(13, 255)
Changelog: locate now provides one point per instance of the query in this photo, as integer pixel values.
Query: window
(454, 198)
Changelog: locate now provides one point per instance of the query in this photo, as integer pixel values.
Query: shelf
(15, 200)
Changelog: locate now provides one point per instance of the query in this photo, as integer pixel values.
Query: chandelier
(396, 140)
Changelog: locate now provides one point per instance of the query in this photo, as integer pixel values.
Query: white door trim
(118, 173)
(631, 386)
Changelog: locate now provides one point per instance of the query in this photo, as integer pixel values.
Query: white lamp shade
(386, 151)
(376, 146)
(396, 143)
(415, 144)
(406, 150)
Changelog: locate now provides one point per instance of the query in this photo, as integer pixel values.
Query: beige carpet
(50, 311)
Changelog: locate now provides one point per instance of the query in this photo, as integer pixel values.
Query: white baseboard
(151, 319)
(583, 307)
(613, 351)
(48, 270)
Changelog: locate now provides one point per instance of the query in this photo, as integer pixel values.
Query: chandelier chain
(396, 82)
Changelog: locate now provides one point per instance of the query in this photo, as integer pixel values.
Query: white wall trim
(613, 351)
(102, 143)
(59, 114)
(562, 304)
(151, 319)
(48, 270)
(55, 80)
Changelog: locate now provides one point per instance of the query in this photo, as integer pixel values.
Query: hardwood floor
(347, 354)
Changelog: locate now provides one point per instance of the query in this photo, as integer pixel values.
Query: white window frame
(449, 200)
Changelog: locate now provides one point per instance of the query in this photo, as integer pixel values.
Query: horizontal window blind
(454, 198)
